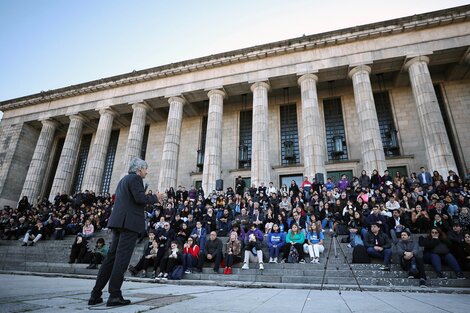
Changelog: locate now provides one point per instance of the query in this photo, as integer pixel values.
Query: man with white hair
(127, 221)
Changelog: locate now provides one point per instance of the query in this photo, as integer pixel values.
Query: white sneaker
(313, 260)
(245, 266)
(275, 260)
(331, 230)
(317, 261)
(261, 266)
(271, 260)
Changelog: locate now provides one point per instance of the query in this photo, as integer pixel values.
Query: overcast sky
(48, 44)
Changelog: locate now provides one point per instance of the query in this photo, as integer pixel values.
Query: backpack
(293, 255)
(176, 273)
(360, 255)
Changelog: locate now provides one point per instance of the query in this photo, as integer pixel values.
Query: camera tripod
(334, 240)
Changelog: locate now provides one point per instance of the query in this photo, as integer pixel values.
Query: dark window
(386, 125)
(334, 128)
(246, 121)
(289, 135)
(145, 140)
(55, 163)
(109, 163)
(81, 163)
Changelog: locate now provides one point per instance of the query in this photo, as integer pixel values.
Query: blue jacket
(277, 239)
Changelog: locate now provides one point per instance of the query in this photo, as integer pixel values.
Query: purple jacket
(258, 234)
(343, 184)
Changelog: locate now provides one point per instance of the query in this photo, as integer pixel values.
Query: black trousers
(115, 264)
(167, 264)
(418, 262)
(216, 258)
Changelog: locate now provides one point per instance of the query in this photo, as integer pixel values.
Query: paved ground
(20, 293)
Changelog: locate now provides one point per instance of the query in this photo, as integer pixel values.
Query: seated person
(224, 222)
(212, 252)
(253, 240)
(79, 250)
(99, 253)
(294, 240)
(396, 224)
(275, 242)
(466, 249)
(378, 246)
(437, 251)
(314, 245)
(410, 261)
(199, 234)
(147, 252)
(357, 229)
(183, 234)
(149, 259)
(233, 252)
(88, 229)
(34, 234)
(190, 255)
(173, 257)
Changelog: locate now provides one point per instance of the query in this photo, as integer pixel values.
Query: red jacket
(193, 250)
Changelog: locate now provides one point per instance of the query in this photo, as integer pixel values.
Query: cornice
(346, 35)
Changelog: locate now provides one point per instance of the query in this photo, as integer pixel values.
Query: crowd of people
(290, 222)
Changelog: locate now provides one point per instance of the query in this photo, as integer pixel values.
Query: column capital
(421, 58)
(107, 110)
(359, 68)
(260, 84)
(307, 76)
(142, 105)
(49, 122)
(177, 99)
(217, 92)
(77, 116)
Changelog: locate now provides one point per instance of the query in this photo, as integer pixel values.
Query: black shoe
(440, 275)
(460, 275)
(117, 302)
(24, 244)
(92, 267)
(31, 244)
(95, 301)
(132, 270)
(422, 283)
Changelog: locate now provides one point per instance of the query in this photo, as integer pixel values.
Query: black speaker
(319, 178)
(219, 184)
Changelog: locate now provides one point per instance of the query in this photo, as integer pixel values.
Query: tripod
(334, 240)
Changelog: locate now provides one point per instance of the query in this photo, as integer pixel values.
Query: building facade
(390, 95)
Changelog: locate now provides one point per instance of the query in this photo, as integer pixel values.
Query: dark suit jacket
(129, 206)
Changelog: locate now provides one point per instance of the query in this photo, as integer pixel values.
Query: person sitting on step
(212, 252)
(98, 255)
(378, 246)
(173, 257)
(410, 261)
(146, 256)
(294, 240)
(314, 245)
(34, 234)
(190, 255)
(79, 250)
(275, 241)
(253, 252)
(233, 252)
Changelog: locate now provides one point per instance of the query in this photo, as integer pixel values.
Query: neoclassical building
(390, 95)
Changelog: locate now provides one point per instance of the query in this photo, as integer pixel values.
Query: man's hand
(209, 256)
(377, 248)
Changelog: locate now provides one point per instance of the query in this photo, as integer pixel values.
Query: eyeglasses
(166, 225)
(434, 232)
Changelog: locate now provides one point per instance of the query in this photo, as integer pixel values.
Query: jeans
(385, 254)
(189, 261)
(436, 261)
(417, 262)
(274, 251)
(326, 221)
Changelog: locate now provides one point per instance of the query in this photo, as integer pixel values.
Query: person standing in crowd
(127, 221)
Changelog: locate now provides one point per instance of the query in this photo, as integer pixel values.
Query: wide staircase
(335, 271)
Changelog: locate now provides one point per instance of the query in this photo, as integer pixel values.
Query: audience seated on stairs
(295, 239)
(172, 258)
(275, 242)
(212, 252)
(190, 255)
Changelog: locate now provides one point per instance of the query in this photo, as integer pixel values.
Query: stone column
(96, 162)
(373, 156)
(68, 158)
(260, 167)
(436, 141)
(313, 138)
(136, 134)
(213, 148)
(171, 145)
(37, 167)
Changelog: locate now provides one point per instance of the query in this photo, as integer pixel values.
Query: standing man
(127, 222)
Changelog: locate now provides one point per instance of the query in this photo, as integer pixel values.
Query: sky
(48, 44)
